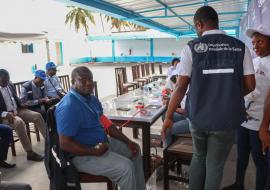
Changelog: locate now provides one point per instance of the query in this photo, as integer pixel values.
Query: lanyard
(82, 100)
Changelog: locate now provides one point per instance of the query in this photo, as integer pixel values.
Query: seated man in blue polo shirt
(83, 131)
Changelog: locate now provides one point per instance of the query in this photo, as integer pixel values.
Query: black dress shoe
(34, 156)
(4, 164)
(234, 186)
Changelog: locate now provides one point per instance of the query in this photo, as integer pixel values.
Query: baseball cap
(50, 65)
(262, 29)
(40, 74)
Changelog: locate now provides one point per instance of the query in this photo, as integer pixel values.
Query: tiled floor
(34, 173)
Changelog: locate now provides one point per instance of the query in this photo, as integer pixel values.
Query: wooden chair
(83, 177)
(136, 75)
(136, 84)
(181, 152)
(88, 178)
(121, 86)
(143, 71)
(160, 68)
(65, 82)
(147, 69)
(153, 68)
(95, 93)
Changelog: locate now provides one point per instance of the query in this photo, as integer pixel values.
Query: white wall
(101, 48)
(169, 46)
(20, 65)
(162, 47)
(138, 47)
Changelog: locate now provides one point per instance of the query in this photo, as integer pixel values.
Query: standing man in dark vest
(219, 72)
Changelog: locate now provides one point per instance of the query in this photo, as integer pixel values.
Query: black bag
(61, 172)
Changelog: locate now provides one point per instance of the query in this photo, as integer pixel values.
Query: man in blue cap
(52, 85)
(33, 94)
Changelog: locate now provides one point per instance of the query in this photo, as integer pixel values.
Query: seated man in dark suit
(5, 140)
(33, 94)
(13, 113)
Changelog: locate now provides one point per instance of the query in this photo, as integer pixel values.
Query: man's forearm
(117, 134)
(74, 147)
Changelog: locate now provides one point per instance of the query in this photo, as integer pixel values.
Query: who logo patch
(201, 47)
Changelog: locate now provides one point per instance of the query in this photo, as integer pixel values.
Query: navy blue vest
(216, 97)
(28, 87)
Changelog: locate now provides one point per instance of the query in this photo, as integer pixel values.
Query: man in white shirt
(175, 62)
(247, 135)
(14, 114)
(218, 70)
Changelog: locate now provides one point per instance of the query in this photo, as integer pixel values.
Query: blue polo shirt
(74, 119)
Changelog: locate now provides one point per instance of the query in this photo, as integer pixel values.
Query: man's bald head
(82, 80)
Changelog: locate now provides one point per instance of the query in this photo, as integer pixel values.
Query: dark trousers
(267, 186)
(248, 142)
(5, 140)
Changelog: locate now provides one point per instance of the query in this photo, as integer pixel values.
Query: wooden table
(150, 95)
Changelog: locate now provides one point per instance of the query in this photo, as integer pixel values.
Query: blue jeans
(210, 151)
(267, 186)
(5, 140)
(180, 126)
(248, 142)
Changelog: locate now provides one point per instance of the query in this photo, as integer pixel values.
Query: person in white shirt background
(247, 135)
(180, 122)
(174, 63)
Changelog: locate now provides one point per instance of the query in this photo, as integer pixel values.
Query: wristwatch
(98, 146)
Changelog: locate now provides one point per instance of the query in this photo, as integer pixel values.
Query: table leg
(146, 150)
(135, 133)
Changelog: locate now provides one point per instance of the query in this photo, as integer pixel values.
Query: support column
(113, 50)
(151, 49)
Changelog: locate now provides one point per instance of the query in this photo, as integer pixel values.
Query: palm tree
(121, 25)
(80, 17)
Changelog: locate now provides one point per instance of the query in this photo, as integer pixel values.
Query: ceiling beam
(181, 15)
(179, 5)
(119, 12)
(173, 12)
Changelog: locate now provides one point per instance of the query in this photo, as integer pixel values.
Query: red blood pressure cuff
(106, 122)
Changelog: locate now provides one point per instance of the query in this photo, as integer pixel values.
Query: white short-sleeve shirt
(256, 99)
